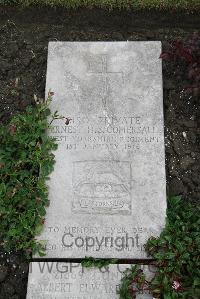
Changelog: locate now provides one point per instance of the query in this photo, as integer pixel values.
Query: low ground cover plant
(26, 160)
(90, 262)
(136, 4)
(177, 257)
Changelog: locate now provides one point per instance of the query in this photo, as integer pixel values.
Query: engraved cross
(99, 65)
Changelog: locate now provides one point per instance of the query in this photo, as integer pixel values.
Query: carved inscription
(60, 280)
(118, 133)
(108, 129)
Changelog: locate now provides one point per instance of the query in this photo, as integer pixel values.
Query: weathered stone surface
(72, 281)
(107, 192)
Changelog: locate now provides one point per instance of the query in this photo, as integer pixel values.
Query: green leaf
(38, 229)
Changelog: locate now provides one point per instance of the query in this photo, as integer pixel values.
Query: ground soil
(24, 36)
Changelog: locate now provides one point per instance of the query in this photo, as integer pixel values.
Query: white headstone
(107, 192)
(71, 281)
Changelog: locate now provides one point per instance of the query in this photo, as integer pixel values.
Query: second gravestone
(107, 192)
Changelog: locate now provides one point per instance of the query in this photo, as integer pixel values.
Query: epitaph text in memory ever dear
(107, 191)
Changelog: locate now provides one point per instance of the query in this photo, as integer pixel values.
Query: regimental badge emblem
(102, 187)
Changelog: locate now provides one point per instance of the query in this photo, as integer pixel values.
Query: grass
(136, 4)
